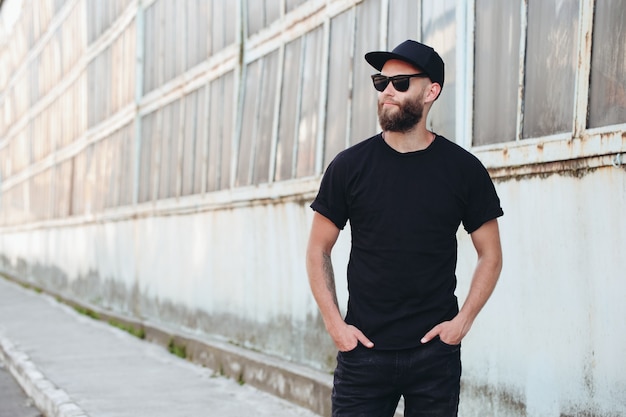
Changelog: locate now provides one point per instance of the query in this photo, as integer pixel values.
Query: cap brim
(378, 59)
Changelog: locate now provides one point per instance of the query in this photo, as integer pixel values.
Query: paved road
(75, 366)
(13, 401)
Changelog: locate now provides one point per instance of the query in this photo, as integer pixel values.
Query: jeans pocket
(447, 347)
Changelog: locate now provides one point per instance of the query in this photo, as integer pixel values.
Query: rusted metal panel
(537, 156)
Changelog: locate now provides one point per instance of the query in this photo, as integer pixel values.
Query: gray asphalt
(13, 400)
(71, 365)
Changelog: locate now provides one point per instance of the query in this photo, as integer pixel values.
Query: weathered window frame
(214, 183)
(580, 149)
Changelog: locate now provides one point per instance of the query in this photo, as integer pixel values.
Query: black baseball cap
(417, 54)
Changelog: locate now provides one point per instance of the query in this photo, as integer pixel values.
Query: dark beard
(402, 121)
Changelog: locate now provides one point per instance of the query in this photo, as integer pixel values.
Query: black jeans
(369, 383)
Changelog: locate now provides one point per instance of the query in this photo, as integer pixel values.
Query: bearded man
(405, 192)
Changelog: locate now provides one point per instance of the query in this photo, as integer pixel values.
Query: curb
(48, 398)
(295, 383)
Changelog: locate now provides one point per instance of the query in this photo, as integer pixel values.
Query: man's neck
(416, 139)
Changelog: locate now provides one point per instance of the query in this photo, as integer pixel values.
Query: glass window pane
(607, 103)
(439, 31)
(93, 184)
(5, 166)
(190, 31)
(224, 27)
(40, 195)
(220, 132)
(46, 207)
(13, 208)
(214, 135)
(198, 19)
(496, 71)
(265, 130)
(261, 14)
(168, 168)
(178, 29)
(310, 100)
(364, 97)
(170, 41)
(339, 85)
(103, 173)
(228, 101)
(292, 4)
(62, 188)
(256, 15)
(127, 158)
(403, 15)
(3, 125)
(20, 149)
(174, 140)
(288, 106)
(163, 136)
(200, 151)
(248, 123)
(257, 121)
(149, 53)
(146, 157)
(550, 68)
(272, 11)
(189, 142)
(78, 186)
(111, 182)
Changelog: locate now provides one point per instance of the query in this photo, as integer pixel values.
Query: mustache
(389, 100)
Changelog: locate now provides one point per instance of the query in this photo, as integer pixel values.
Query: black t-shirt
(404, 211)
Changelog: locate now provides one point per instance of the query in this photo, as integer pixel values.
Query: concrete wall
(237, 274)
(550, 342)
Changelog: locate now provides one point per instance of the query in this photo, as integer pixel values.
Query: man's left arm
(486, 240)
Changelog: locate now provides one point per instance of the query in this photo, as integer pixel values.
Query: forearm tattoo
(329, 277)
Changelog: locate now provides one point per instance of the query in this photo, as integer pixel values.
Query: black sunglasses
(399, 82)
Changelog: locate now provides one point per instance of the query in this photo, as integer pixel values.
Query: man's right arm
(324, 234)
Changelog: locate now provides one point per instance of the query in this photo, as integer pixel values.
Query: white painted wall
(554, 335)
(550, 342)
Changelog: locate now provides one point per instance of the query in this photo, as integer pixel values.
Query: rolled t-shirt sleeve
(331, 201)
(484, 203)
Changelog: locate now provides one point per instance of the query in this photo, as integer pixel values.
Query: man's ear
(433, 92)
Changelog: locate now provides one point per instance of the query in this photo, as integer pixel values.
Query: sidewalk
(73, 365)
